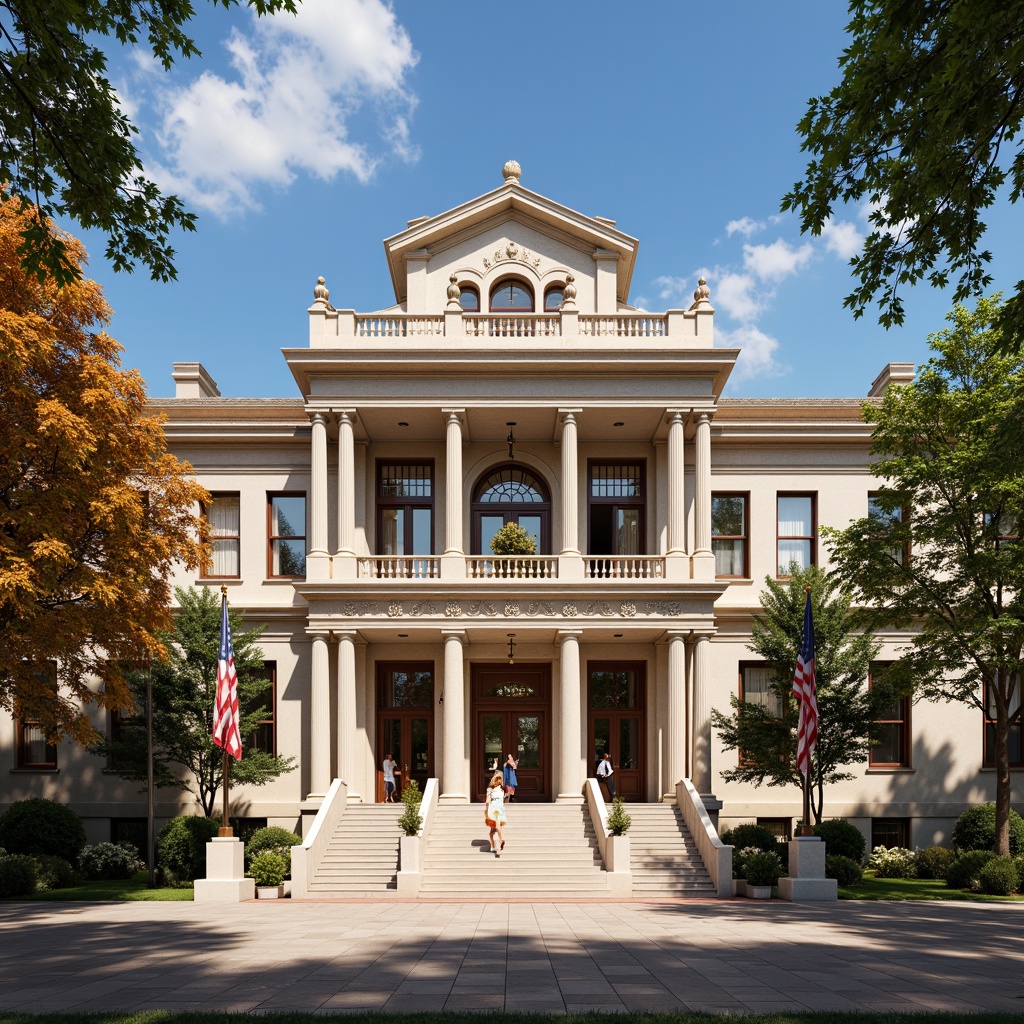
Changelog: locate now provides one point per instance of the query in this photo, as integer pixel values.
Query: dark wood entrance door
(407, 738)
(512, 715)
(615, 695)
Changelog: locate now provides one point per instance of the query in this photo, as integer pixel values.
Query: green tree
(95, 514)
(184, 686)
(926, 126)
(764, 731)
(950, 453)
(66, 144)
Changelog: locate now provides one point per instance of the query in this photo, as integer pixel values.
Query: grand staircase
(362, 857)
(663, 856)
(551, 851)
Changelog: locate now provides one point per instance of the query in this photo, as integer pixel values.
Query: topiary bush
(512, 539)
(17, 876)
(742, 836)
(268, 869)
(410, 820)
(975, 829)
(842, 839)
(53, 873)
(762, 868)
(998, 877)
(845, 870)
(108, 861)
(964, 868)
(276, 840)
(893, 862)
(38, 827)
(618, 820)
(933, 862)
(181, 848)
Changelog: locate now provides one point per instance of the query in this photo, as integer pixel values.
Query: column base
(224, 890)
(453, 798)
(569, 798)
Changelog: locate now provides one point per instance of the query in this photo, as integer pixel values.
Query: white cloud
(757, 358)
(294, 86)
(776, 261)
(746, 226)
(736, 295)
(672, 288)
(842, 238)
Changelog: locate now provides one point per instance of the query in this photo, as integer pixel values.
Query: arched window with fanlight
(511, 296)
(511, 494)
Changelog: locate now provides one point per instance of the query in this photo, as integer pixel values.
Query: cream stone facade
(512, 381)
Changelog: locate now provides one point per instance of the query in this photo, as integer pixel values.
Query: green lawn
(915, 889)
(134, 888)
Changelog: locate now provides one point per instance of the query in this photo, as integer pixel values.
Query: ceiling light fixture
(511, 648)
(511, 439)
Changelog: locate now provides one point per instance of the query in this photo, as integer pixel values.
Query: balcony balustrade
(512, 567)
(625, 567)
(399, 567)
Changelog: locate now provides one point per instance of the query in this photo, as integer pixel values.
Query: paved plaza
(337, 957)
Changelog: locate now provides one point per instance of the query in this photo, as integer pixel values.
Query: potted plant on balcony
(762, 872)
(267, 870)
(512, 539)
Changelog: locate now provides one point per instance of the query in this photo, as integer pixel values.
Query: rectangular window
(729, 536)
(34, 750)
(130, 830)
(265, 735)
(406, 685)
(796, 543)
(1001, 529)
(224, 519)
(287, 534)
(405, 509)
(901, 553)
(125, 727)
(1015, 748)
(616, 497)
(756, 688)
(892, 746)
(890, 832)
(781, 828)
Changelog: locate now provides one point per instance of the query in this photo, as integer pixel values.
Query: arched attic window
(511, 296)
(554, 297)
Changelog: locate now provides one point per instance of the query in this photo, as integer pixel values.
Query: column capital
(704, 416)
(569, 414)
(675, 415)
(459, 414)
(568, 634)
(346, 415)
(318, 632)
(318, 418)
(345, 634)
(456, 634)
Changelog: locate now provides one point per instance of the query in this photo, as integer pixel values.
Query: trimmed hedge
(107, 861)
(998, 877)
(53, 873)
(842, 839)
(964, 869)
(845, 870)
(42, 828)
(742, 836)
(181, 848)
(975, 829)
(17, 876)
(276, 840)
(933, 862)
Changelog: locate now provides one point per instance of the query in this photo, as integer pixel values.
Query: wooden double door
(511, 712)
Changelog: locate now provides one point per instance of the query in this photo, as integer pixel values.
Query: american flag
(225, 706)
(803, 688)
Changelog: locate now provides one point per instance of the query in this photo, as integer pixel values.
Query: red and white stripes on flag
(226, 733)
(804, 689)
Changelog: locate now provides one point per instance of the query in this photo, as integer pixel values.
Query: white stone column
(570, 776)
(317, 564)
(346, 494)
(453, 760)
(676, 708)
(320, 718)
(347, 710)
(676, 494)
(570, 474)
(701, 715)
(453, 544)
(703, 558)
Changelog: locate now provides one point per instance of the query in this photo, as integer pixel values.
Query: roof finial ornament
(454, 292)
(512, 171)
(702, 293)
(320, 293)
(569, 293)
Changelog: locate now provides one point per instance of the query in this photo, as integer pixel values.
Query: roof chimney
(893, 373)
(192, 381)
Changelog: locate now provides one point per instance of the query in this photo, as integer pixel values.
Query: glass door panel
(419, 747)
(531, 524)
(602, 741)
(391, 743)
(493, 748)
(528, 742)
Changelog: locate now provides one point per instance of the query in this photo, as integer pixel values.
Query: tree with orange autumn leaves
(94, 512)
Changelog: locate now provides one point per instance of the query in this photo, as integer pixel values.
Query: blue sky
(303, 142)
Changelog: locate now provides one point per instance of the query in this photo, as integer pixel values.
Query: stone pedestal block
(807, 879)
(225, 880)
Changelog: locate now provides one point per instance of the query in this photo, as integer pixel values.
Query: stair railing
(716, 855)
(307, 857)
(614, 849)
(410, 848)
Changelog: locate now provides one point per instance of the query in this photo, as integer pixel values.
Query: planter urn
(269, 892)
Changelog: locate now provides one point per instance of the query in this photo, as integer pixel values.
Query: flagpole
(225, 831)
(806, 829)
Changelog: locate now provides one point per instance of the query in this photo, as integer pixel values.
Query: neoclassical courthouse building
(511, 381)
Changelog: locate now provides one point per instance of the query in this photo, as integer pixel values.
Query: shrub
(53, 873)
(181, 848)
(411, 820)
(17, 876)
(276, 840)
(933, 862)
(109, 861)
(38, 827)
(742, 836)
(975, 829)
(893, 862)
(268, 869)
(845, 870)
(998, 877)
(762, 868)
(964, 868)
(618, 820)
(1018, 863)
(512, 539)
(842, 839)
(739, 859)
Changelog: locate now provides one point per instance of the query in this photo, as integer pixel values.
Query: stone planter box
(758, 892)
(269, 892)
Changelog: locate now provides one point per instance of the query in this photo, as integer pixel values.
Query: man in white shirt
(389, 767)
(605, 772)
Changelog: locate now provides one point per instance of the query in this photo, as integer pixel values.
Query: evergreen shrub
(845, 870)
(893, 862)
(17, 876)
(618, 820)
(268, 869)
(38, 827)
(53, 873)
(741, 836)
(181, 848)
(762, 868)
(411, 821)
(933, 862)
(975, 829)
(998, 877)
(108, 861)
(964, 868)
(842, 839)
(275, 839)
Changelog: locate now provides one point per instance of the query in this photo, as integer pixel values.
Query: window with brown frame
(781, 828)
(511, 296)
(892, 745)
(223, 517)
(286, 534)
(890, 833)
(616, 497)
(899, 554)
(1014, 744)
(34, 750)
(796, 527)
(469, 298)
(755, 687)
(729, 534)
(405, 509)
(1002, 529)
(264, 737)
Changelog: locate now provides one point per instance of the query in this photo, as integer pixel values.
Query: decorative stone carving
(569, 293)
(628, 609)
(597, 608)
(349, 608)
(512, 253)
(395, 609)
(511, 171)
(320, 293)
(702, 293)
(540, 608)
(511, 608)
(422, 608)
(453, 609)
(454, 291)
(569, 609)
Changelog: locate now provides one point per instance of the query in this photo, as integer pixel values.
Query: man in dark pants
(606, 773)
